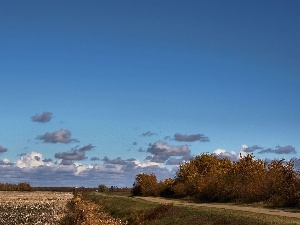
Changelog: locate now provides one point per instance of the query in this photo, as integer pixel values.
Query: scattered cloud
(66, 162)
(70, 155)
(117, 160)
(47, 160)
(148, 134)
(84, 148)
(5, 162)
(174, 161)
(280, 150)
(162, 148)
(141, 150)
(94, 158)
(222, 153)
(251, 149)
(190, 138)
(60, 136)
(32, 159)
(42, 118)
(158, 158)
(2, 149)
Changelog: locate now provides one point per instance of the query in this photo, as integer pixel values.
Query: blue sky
(97, 91)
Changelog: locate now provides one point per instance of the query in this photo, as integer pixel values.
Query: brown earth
(276, 212)
(90, 214)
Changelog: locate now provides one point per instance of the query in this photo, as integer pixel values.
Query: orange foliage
(209, 178)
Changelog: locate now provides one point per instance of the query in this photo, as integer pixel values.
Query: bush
(102, 188)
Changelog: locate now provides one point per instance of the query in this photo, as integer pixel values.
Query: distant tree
(102, 188)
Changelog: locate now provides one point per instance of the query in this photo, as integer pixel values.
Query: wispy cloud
(94, 158)
(141, 149)
(60, 136)
(148, 134)
(280, 150)
(84, 148)
(42, 118)
(158, 158)
(190, 138)
(2, 149)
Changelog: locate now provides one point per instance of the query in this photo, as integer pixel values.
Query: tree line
(212, 179)
(15, 187)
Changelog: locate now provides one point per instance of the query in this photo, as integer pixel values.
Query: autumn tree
(145, 185)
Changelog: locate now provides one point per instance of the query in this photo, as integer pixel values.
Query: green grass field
(138, 211)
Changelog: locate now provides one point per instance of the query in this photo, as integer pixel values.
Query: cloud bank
(39, 171)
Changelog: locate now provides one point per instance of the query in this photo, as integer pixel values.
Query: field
(91, 208)
(139, 211)
(33, 207)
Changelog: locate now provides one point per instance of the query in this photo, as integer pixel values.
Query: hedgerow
(213, 179)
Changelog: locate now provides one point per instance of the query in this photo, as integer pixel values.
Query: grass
(138, 211)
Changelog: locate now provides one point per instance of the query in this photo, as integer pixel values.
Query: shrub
(102, 188)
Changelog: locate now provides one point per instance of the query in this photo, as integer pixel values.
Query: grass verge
(138, 211)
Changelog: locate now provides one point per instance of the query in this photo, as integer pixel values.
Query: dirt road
(223, 206)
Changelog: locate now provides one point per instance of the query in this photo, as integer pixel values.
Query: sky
(96, 92)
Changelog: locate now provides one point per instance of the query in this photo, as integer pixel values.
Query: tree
(145, 185)
(102, 188)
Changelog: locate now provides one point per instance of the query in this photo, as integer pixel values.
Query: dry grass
(137, 211)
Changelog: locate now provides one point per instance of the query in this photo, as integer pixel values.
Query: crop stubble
(22, 208)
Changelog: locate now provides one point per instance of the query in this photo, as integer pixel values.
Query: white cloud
(222, 153)
(32, 159)
(219, 151)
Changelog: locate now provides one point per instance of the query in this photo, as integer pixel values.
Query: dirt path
(223, 206)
